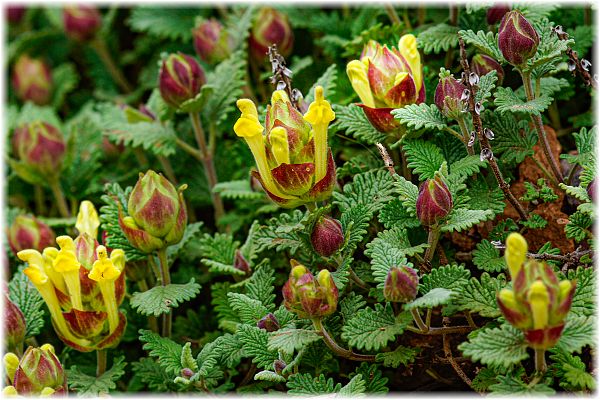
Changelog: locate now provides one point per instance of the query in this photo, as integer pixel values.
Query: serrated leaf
(402, 355)
(161, 299)
(167, 351)
(255, 344)
(423, 157)
(249, 310)
(375, 382)
(583, 299)
(513, 139)
(486, 42)
(281, 233)
(372, 189)
(509, 385)
(496, 347)
(394, 213)
(326, 81)
(506, 100)
(433, 298)
(269, 376)
(419, 116)
(439, 37)
(85, 385)
(354, 387)
(486, 85)
(171, 23)
(464, 218)
(371, 329)
(578, 333)
(352, 119)
(260, 285)
(305, 384)
(450, 277)
(237, 190)
(487, 257)
(480, 295)
(25, 296)
(289, 340)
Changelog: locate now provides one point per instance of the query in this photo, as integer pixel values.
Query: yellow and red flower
(38, 372)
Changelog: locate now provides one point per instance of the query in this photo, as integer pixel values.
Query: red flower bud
(32, 80)
(271, 27)
(279, 366)
(591, 190)
(240, 263)
(40, 146)
(15, 13)
(327, 236)
(309, 297)
(28, 232)
(434, 201)
(517, 39)
(401, 284)
(187, 373)
(482, 64)
(268, 322)
(180, 79)
(448, 95)
(14, 324)
(38, 369)
(212, 42)
(496, 12)
(81, 22)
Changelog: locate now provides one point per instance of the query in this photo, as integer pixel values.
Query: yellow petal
(516, 253)
(408, 48)
(11, 363)
(357, 73)
(46, 392)
(247, 125)
(508, 298)
(103, 268)
(10, 391)
(117, 256)
(539, 298)
(319, 115)
(298, 271)
(279, 145)
(48, 347)
(87, 219)
(49, 254)
(324, 278)
(279, 95)
(400, 77)
(66, 263)
(564, 287)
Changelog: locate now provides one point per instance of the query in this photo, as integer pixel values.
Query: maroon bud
(39, 368)
(40, 146)
(180, 79)
(401, 284)
(327, 236)
(483, 64)
(240, 263)
(448, 95)
(517, 39)
(187, 373)
(28, 232)
(271, 27)
(496, 12)
(32, 80)
(212, 42)
(268, 322)
(591, 190)
(81, 22)
(14, 324)
(15, 14)
(279, 366)
(434, 201)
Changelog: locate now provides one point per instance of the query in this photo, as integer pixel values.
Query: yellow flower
(87, 219)
(105, 272)
(516, 253)
(66, 263)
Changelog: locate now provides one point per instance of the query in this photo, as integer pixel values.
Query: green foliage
(169, 23)
(496, 347)
(281, 233)
(161, 299)
(487, 257)
(289, 340)
(424, 158)
(570, 371)
(25, 296)
(87, 386)
(480, 295)
(464, 218)
(255, 343)
(583, 299)
(352, 119)
(167, 352)
(433, 298)
(578, 333)
(451, 277)
(486, 42)
(440, 37)
(507, 101)
(419, 116)
(248, 309)
(402, 355)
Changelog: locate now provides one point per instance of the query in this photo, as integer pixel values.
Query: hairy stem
(166, 280)
(59, 196)
(419, 321)
(99, 45)
(465, 135)
(432, 240)
(100, 362)
(455, 366)
(336, 348)
(540, 360)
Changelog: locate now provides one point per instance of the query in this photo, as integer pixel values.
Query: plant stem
(465, 135)
(59, 196)
(418, 320)
(540, 360)
(152, 322)
(539, 127)
(99, 45)
(392, 14)
(453, 363)
(336, 348)
(209, 166)
(432, 240)
(189, 149)
(166, 280)
(168, 169)
(100, 362)
(40, 202)
(545, 171)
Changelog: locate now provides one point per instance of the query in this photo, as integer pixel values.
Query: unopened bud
(401, 284)
(434, 201)
(517, 39)
(327, 236)
(268, 322)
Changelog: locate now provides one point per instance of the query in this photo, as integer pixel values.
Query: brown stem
(469, 318)
(209, 166)
(419, 321)
(392, 14)
(483, 140)
(539, 127)
(166, 280)
(540, 360)
(99, 45)
(455, 366)
(432, 240)
(336, 348)
(59, 196)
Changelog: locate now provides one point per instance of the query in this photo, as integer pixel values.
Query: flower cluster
(309, 297)
(295, 164)
(386, 79)
(81, 285)
(38, 373)
(538, 303)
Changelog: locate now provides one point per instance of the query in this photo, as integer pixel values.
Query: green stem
(540, 360)
(432, 240)
(311, 207)
(100, 362)
(209, 165)
(545, 171)
(166, 280)
(40, 202)
(59, 196)
(336, 348)
(99, 45)
(423, 328)
(539, 127)
(466, 135)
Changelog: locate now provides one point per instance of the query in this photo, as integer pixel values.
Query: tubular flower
(82, 287)
(295, 164)
(386, 79)
(538, 303)
(309, 297)
(38, 372)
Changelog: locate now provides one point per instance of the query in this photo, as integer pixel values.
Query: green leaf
(355, 221)
(583, 300)
(354, 387)
(487, 257)
(451, 277)
(352, 119)
(506, 100)
(161, 299)
(255, 343)
(433, 298)
(512, 386)
(326, 81)
(260, 286)
(249, 310)
(167, 351)
(424, 157)
(173, 23)
(305, 384)
(394, 213)
(288, 340)
(218, 253)
(578, 226)
(408, 193)
(237, 190)
(496, 347)
(486, 85)
(486, 42)
(418, 116)
(372, 189)
(269, 376)
(465, 167)
(281, 233)
(25, 296)
(464, 218)
(375, 382)
(402, 355)
(65, 80)
(480, 295)
(578, 333)
(437, 38)
(570, 371)
(576, 191)
(191, 232)
(371, 329)
(89, 386)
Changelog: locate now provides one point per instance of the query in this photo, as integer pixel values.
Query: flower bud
(591, 190)
(28, 232)
(38, 369)
(180, 79)
(482, 64)
(517, 39)
(14, 324)
(32, 80)
(41, 147)
(15, 13)
(327, 236)
(85, 250)
(309, 297)
(187, 373)
(279, 366)
(81, 22)
(448, 94)
(434, 201)
(212, 42)
(496, 12)
(515, 254)
(270, 27)
(268, 322)
(401, 284)
(240, 263)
